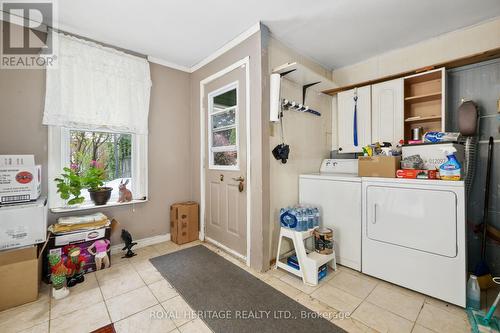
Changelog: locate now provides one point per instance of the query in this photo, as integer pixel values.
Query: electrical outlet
(498, 105)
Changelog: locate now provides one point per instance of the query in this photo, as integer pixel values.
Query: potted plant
(93, 181)
(70, 186)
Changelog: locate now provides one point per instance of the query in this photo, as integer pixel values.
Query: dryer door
(419, 219)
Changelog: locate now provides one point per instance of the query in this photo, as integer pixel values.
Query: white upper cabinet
(354, 126)
(388, 111)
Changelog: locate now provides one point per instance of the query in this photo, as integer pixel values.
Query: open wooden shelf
(423, 98)
(424, 102)
(423, 119)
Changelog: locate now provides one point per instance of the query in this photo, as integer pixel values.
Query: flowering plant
(70, 185)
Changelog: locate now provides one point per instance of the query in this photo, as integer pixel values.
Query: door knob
(240, 185)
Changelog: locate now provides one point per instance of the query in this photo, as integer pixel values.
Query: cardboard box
(184, 222)
(23, 224)
(20, 178)
(20, 272)
(432, 153)
(417, 174)
(378, 166)
(82, 239)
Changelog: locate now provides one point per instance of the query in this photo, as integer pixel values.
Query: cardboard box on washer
(20, 178)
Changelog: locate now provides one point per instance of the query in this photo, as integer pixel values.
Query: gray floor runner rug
(216, 288)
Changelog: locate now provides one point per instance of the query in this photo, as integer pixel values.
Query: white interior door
(225, 161)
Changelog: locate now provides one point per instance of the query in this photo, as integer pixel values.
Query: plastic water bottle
(316, 216)
(473, 293)
(301, 220)
(310, 218)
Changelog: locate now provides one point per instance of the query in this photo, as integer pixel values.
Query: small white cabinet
(348, 128)
(388, 111)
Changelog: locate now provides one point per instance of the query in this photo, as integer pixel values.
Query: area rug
(229, 299)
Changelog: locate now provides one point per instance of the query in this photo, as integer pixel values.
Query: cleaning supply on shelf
(473, 293)
(451, 169)
(435, 137)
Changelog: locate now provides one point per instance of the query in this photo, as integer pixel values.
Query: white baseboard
(225, 248)
(142, 242)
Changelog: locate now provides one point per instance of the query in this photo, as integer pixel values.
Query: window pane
(225, 158)
(112, 151)
(224, 138)
(224, 119)
(225, 100)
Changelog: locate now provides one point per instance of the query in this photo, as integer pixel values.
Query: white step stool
(309, 263)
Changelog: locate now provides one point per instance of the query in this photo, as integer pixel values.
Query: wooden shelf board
(423, 98)
(422, 119)
(303, 75)
(467, 60)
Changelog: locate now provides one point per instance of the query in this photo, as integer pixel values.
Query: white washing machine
(414, 235)
(336, 189)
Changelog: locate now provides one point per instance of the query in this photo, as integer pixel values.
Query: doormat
(229, 299)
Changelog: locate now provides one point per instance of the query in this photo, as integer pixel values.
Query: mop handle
(490, 313)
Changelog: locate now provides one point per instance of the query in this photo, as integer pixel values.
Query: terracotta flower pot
(101, 196)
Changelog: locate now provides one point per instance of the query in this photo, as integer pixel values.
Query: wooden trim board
(471, 59)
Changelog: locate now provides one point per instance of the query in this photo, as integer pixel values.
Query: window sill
(87, 206)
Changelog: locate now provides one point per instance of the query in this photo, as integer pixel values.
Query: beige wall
(309, 137)
(21, 132)
(453, 45)
(251, 47)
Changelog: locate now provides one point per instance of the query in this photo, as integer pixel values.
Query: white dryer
(414, 235)
(336, 190)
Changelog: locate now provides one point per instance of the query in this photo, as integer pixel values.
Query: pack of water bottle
(300, 217)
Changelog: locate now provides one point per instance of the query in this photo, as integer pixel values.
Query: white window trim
(58, 158)
(211, 149)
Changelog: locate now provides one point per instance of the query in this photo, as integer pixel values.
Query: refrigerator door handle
(374, 220)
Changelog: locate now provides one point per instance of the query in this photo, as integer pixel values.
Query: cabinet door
(387, 111)
(346, 125)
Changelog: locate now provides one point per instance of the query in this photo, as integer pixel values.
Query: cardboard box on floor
(184, 222)
(378, 166)
(20, 274)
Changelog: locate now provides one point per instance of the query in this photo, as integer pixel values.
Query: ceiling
(334, 33)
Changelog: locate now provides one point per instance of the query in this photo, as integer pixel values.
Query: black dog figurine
(127, 239)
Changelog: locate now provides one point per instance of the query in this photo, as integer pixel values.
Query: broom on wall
(482, 271)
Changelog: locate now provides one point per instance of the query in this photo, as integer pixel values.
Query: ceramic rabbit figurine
(125, 194)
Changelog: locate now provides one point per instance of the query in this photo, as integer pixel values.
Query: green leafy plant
(70, 186)
(94, 177)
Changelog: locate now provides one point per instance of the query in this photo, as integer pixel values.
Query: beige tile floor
(133, 295)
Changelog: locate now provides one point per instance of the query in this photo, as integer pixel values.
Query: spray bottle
(451, 169)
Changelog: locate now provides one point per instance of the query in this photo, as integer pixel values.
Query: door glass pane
(224, 138)
(224, 119)
(225, 100)
(226, 158)
(223, 131)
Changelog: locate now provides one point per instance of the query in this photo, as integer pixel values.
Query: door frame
(203, 150)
